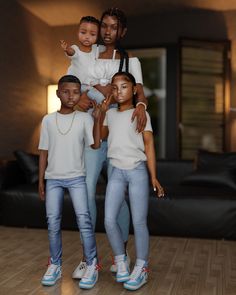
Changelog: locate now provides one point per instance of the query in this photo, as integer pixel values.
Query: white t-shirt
(66, 152)
(81, 63)
(125, 145)
(104, 69)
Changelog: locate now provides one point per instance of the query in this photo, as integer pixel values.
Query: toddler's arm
(67, 48)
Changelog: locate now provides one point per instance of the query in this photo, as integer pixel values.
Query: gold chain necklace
(69, 129)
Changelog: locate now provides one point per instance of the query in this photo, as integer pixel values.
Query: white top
(125, 145)
(66, 152)
(81, 63)
(104, 69)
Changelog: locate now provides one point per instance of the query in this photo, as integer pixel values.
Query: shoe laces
(90, 270)
(137, 272)
(82, 265)
(51, 269)
(121, 266)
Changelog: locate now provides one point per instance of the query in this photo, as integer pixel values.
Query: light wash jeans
(54, 201)
(94, 161)
(137, 181)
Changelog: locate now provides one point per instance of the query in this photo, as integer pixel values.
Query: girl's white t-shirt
(125, 145)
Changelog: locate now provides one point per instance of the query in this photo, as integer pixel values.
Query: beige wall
(25, 70)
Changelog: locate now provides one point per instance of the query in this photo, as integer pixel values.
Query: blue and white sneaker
(113, 267)
(122, 274)
(90, 276)
(138, 277)
(52, 274)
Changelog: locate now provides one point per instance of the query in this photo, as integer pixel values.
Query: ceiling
(68, 12)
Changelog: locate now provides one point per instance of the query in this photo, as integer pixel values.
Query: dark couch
(199, 202)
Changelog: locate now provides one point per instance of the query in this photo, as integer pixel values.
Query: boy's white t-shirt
(125, 145)
(66, 152)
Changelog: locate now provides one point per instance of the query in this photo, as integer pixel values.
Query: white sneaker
(122, 274)
(113, 267)
(138, 277)
(90, 277)
(80, 270)
(52, 274)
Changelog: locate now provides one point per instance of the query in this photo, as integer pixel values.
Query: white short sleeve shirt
(66, 152)
(125, 145)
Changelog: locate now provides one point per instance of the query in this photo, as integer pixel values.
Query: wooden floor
(178, 266)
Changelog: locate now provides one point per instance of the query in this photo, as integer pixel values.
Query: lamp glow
(53, 102)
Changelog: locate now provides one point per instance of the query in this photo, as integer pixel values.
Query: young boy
(64, 135)
(84, 55)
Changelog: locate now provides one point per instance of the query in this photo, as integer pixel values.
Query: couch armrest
(11, 175)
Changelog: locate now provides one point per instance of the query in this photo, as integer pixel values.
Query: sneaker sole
(52, 283)
(87, 286)
(123, 279)
(133, 288)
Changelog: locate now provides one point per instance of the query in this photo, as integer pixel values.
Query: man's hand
(41, 190)
(140, 114)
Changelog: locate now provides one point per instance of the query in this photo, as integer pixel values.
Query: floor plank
(179, 266)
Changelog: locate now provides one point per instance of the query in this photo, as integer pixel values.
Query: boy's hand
(140, 113)
(158, 189)
(41, 189)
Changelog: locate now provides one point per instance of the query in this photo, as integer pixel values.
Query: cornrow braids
(90, 19)
(122, 22)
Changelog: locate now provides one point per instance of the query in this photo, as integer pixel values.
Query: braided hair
(122, 23)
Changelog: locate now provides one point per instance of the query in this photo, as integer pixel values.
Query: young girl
(130, 154)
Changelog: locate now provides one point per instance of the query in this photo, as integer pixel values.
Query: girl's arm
(67, 48)
(43, 159)
(151, 162)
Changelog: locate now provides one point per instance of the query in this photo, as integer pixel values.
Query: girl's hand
(140, 113)
(96, 110)
(85, 103)
(158, 189)
(106, 102)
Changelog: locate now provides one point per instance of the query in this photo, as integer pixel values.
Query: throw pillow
(223, 161)
(212, 177)
(29, 163)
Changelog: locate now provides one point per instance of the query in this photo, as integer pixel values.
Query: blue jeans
(54, 201)
(94, 161)
(137, 181)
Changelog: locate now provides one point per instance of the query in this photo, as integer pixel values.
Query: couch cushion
(224, 161)
(212, 177)
(29, 164)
